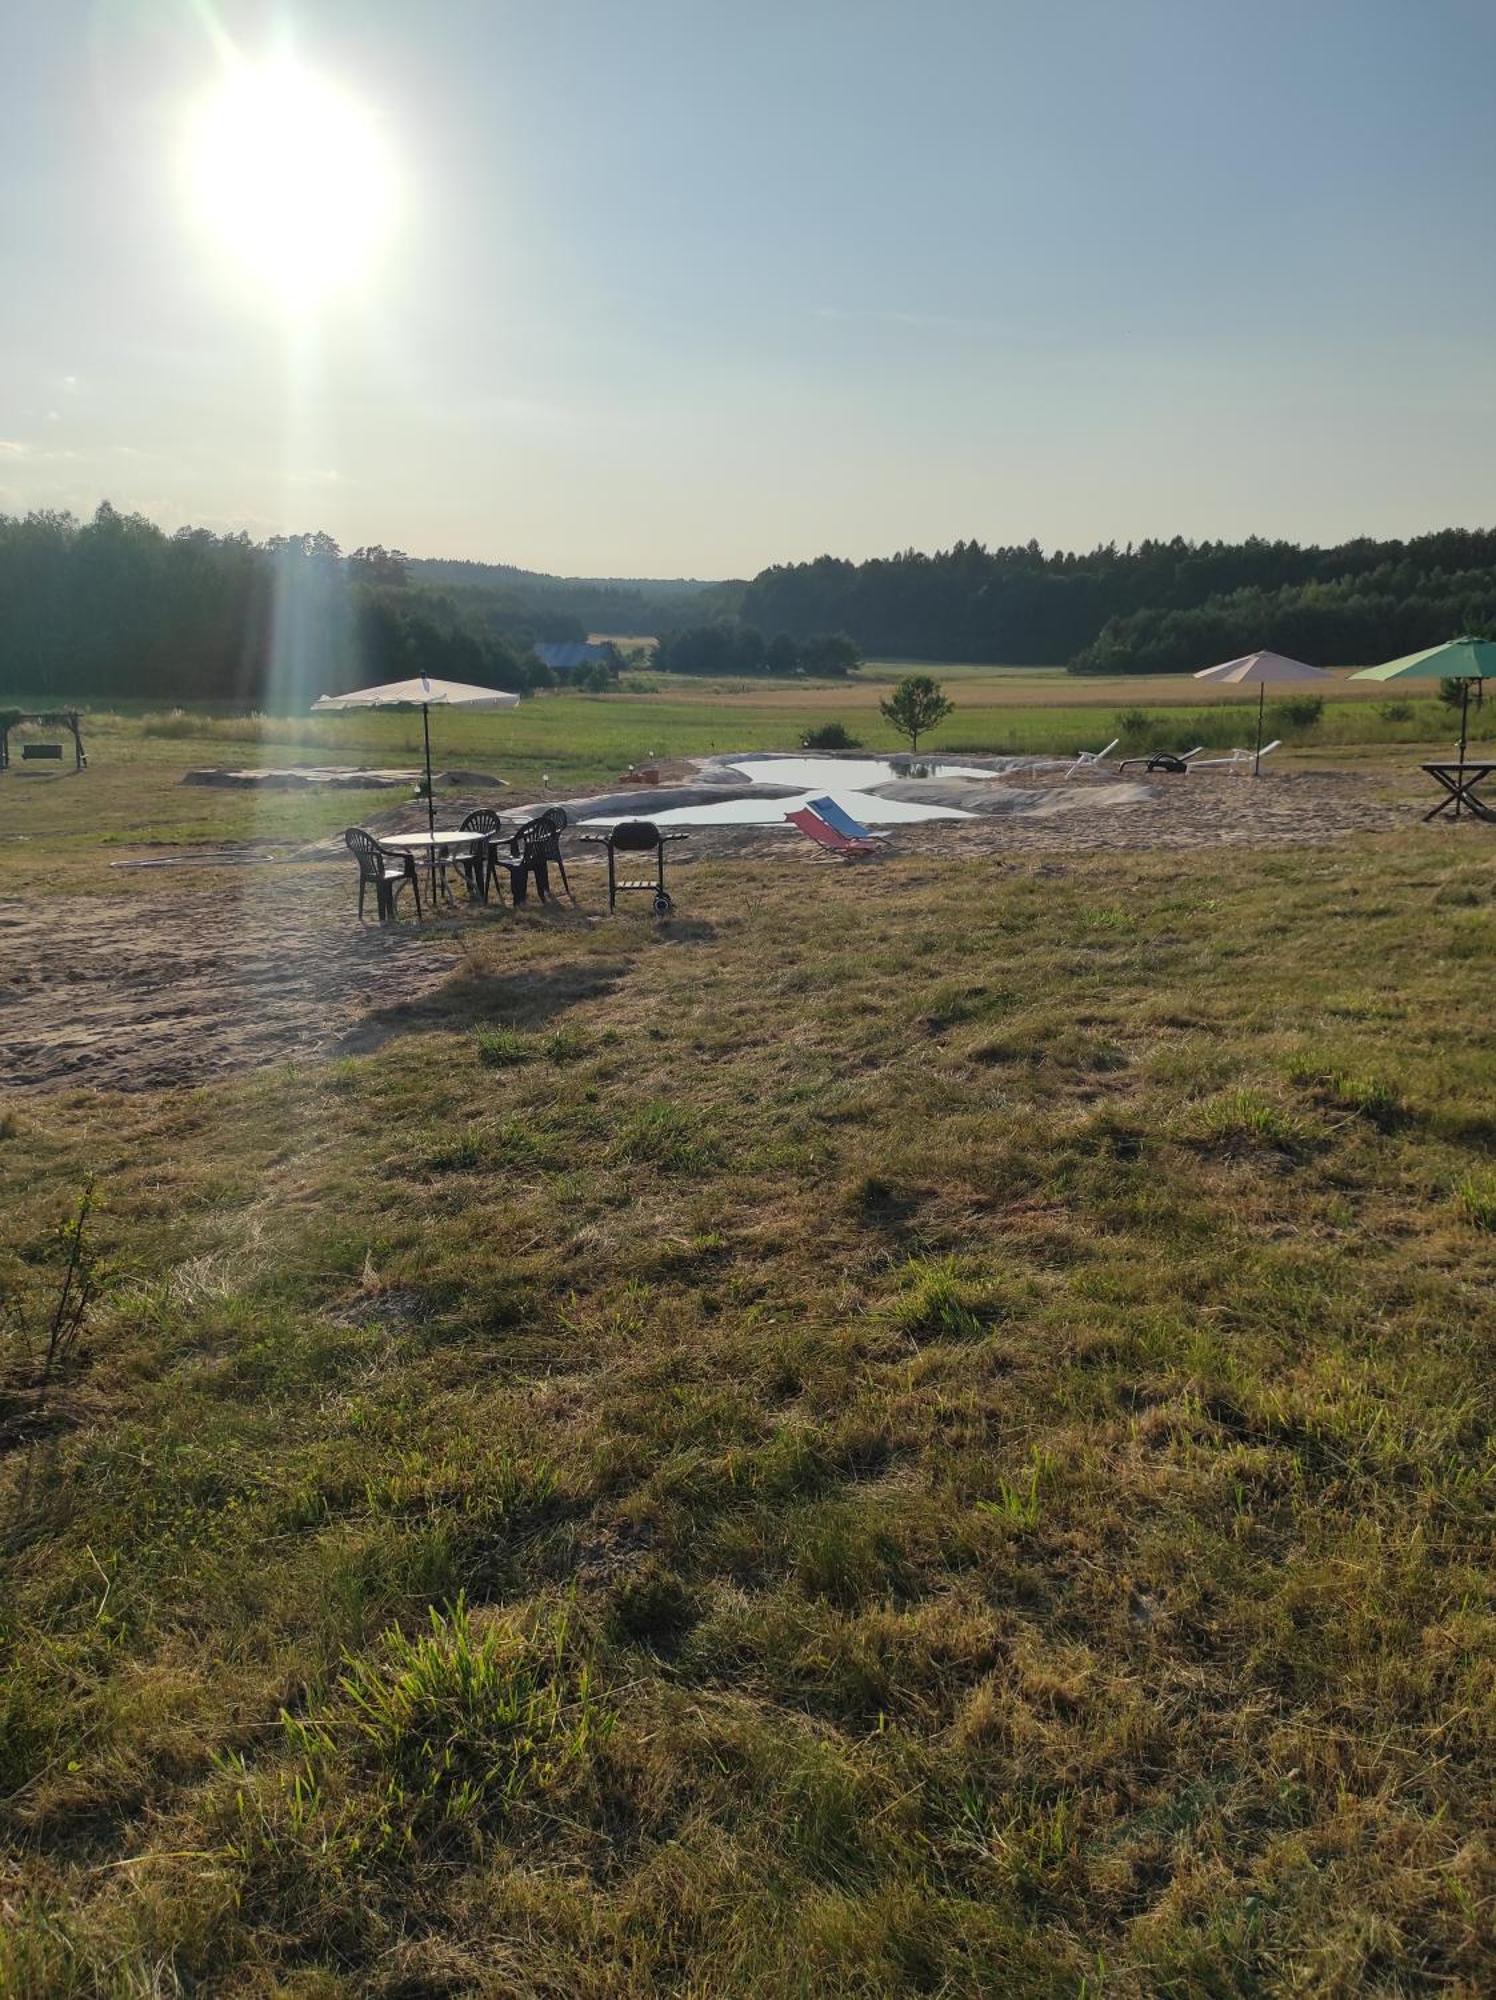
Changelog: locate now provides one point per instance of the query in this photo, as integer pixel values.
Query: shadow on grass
(882, 1204)
(1476, 1129)
(480, 999)
(683, 930)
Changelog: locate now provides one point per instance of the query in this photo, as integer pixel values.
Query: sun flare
(291, 178)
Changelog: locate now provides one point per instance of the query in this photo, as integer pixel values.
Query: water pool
(866, 806)
(844, 774)
(850, 781)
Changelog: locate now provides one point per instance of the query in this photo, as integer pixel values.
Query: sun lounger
(824, 834)
(1175, 762)
(1238, 760)
(1085, 759)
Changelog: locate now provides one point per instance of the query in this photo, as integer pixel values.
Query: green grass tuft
(942, 1298)
(1475, 1196)
(502, 1048)
(929, 1436)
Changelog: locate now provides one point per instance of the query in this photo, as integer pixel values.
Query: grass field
(582, 740)
(916, 1431)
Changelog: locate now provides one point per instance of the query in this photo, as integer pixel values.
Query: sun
(292, 180)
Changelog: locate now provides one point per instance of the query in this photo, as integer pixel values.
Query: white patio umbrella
(1261, 670)
(425, 694)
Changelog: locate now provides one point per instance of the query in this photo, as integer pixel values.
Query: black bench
(40, 750)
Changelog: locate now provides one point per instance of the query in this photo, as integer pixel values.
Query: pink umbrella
(1261, 669)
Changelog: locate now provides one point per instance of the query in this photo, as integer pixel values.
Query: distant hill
(639, 607)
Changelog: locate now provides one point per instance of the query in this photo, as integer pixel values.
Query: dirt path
(190, 973)
(173, 984)
(1097, 812)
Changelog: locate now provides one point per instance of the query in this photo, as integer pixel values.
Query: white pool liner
(834, 775)
(866, 806)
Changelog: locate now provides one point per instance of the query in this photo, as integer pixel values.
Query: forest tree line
(116, 608)
(1157, 607)
(731, 647)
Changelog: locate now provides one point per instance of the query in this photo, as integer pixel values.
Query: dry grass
(925, 1437)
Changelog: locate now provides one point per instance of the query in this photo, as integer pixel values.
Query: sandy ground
(177, 982)
(1030, 813)
(201, 972)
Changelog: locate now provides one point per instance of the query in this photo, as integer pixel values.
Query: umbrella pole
(1257, 760)
(430, 805)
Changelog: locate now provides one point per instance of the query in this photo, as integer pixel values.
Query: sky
(684, 288)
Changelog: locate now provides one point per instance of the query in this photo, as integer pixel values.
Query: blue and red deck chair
(833, 828)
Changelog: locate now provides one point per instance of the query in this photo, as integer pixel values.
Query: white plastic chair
(1238, 760)
(1085, 759)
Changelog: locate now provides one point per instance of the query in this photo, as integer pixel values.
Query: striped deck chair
(849, 847)
(838, 816)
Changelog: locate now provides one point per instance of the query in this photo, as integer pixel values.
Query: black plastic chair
(477, 869)
(637, 836)
(388, 870)
(534, 847)
(549, 827)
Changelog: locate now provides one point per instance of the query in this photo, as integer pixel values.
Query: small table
(441, 848)
(1459, 782)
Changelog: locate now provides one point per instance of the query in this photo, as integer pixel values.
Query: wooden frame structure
(50, 718)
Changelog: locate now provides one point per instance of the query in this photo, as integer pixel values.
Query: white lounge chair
(1085, 759)
(1238, 760)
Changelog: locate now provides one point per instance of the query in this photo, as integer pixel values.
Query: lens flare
(290, 177)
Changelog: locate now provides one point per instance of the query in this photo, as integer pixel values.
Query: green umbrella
(1462, 660)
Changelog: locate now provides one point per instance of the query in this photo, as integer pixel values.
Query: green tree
(378, 565)
(832, 654)
(915, 706)
(782, 654)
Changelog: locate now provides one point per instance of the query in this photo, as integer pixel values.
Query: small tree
(915, 706)
(1302, 711)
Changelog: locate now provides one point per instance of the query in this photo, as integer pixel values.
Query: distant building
(565, 656)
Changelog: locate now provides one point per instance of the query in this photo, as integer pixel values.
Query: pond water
(866, 806)
(845, 774)
(847, 780)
